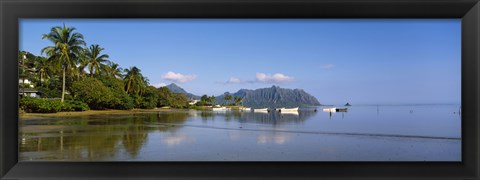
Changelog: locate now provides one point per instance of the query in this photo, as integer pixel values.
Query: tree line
(73, 76)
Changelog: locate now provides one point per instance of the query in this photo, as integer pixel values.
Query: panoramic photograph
(239, 90)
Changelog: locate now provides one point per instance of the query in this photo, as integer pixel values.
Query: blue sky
(337, 61)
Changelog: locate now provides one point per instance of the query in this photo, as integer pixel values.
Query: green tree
(83, 62)
(164, 96)
(167, 98)
(237, 100)
(43, 70)
(114, 70)
(65, 51)
(150, 98)
(179, 100)
(120, 98)
(211, 99)
(227, 97)
(135, 83)
(204, 98)
(93, 92)
(96, 60)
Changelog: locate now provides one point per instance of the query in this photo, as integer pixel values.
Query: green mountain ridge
(272, 97)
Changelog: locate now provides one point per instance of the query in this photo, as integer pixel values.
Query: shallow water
(364, 133)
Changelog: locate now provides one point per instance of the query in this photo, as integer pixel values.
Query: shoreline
(94, 112)
(101, 112)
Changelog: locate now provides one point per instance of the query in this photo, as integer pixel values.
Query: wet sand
(93, 112)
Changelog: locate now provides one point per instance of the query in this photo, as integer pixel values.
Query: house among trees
(28, 92)
(27, 89)
(25, 82)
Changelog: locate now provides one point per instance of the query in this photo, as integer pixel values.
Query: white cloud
(159, 85)
(276, 78)
(177, 77)
(261, 78)
(235, 80)
(328, 66)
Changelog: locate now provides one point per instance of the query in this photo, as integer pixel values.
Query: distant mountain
(272, 97)
(177, 89)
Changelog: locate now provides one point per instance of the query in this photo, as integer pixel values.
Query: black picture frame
(12, 10)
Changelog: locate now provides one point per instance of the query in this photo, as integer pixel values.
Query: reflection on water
(174, 140)
(362, 133)
(92, 137)
(273, 137)
(257, 117)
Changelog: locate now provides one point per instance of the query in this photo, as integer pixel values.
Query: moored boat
(289, 109)
(335, 109)
(329, 109)
(219, 109)
(260, 110)
(246, 109)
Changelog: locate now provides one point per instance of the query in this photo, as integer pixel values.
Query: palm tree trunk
(63, 85)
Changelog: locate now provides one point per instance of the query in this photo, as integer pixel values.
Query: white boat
(288, 109)
(261, 110)
(219, 109)
(329, 109)
(245, 109)
(279, 109)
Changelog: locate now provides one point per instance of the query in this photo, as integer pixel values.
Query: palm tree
(204, 98)
(43, 69)
(134, 81)
(96, 60)
(227, 97)
(237, 100)
(65, 51)
(114, 70)
(82, 64)
(211, 99)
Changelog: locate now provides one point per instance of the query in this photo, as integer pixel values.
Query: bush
(93, 92)
(120, 98)
(39, 105)
(75, 106)
(148, 103)
(149, 98)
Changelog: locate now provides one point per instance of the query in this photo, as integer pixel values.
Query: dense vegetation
(75, 77)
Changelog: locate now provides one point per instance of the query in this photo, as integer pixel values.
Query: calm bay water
(364, 133)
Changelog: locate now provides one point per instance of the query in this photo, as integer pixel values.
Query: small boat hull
(220, 109)
(245, 109)
(329, 109)
(289, 109)
(261, 110)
